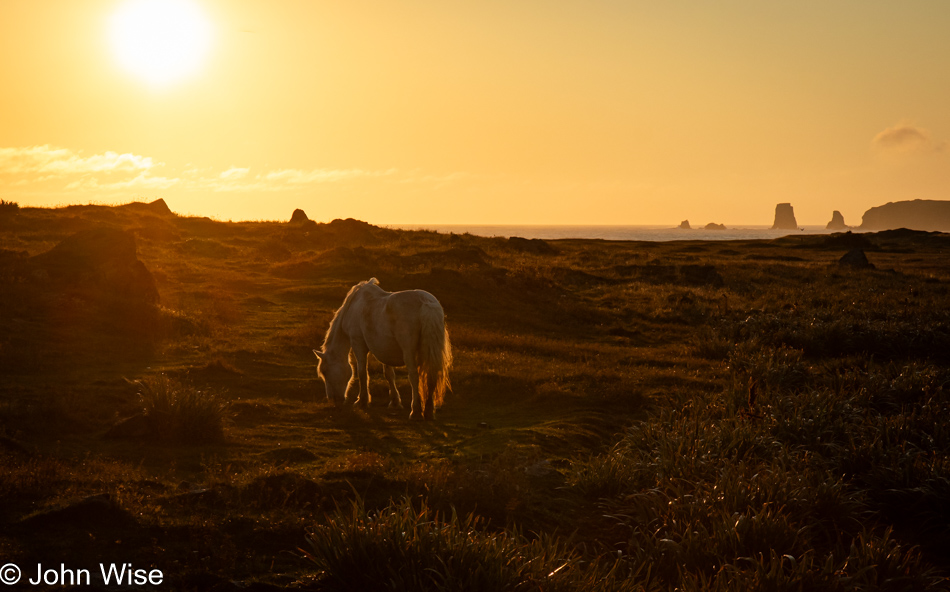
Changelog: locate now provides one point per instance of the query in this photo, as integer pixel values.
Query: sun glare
(160, 41)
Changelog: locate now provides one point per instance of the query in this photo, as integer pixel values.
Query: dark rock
(714, 226)
(918, 214)
(685, 225)
(534, 245)
(299, 217)
(156, 208)
(784, 217)
(99, 259)
(94, 513)
(856, 258)
(837, 222)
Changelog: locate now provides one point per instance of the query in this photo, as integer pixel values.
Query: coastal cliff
(918, 214)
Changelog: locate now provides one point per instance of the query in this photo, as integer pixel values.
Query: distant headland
(918, 214)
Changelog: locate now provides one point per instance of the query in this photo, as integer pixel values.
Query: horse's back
(412, 301)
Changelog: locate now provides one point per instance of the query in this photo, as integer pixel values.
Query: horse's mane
(338, 316)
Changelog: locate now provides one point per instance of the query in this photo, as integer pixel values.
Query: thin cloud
(234, 173)
(48, 162)
(140, 181)
(42, 168)
(907, 138)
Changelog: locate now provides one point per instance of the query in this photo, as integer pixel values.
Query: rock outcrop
(299, 217)
(918, 214)
(784, 217)
(93, 283)
(685, 225)
(855, 258)
(100, 263)
(837, 222)
(714, 226)
(157, 207)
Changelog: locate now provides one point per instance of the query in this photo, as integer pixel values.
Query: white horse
(400, 329)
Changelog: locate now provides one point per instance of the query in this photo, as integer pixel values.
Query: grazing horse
(399, 329)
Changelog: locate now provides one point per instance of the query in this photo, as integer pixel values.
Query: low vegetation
(625, 416)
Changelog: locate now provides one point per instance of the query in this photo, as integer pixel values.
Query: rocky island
(784, 217)
(837, 222)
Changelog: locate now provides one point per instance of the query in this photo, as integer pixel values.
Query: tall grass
(180, 413)
(410, 547)
(817, 476)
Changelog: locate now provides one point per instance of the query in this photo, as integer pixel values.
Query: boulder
(299, 217)
(784, 217)
(855, 258)
(96, 513)
(94, 283)
(100, 260)
(837, 222)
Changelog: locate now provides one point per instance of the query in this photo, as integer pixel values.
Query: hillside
(624, 415)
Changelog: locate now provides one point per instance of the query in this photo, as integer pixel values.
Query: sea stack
(685, 225)
(837, 222)
(784, 217)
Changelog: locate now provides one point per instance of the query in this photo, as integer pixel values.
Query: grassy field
(624, 415)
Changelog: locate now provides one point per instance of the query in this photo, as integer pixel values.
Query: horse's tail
(434, 358)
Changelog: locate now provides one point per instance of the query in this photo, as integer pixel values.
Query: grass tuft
(180, 413)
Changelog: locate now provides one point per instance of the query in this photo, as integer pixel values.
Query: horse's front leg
(362, 372)
(394, 399)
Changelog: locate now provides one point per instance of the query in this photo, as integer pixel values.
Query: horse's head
(336, 375)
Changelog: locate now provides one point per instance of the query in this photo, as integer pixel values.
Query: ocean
(631, 233)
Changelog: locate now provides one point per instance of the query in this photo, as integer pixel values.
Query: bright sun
(160, 41)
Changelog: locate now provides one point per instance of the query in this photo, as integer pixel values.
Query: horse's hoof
(414, 416)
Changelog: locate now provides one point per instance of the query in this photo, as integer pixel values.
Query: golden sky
(487, 111)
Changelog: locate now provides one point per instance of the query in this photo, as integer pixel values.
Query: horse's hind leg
(428, 411)
(394, 399)
(414, 383)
